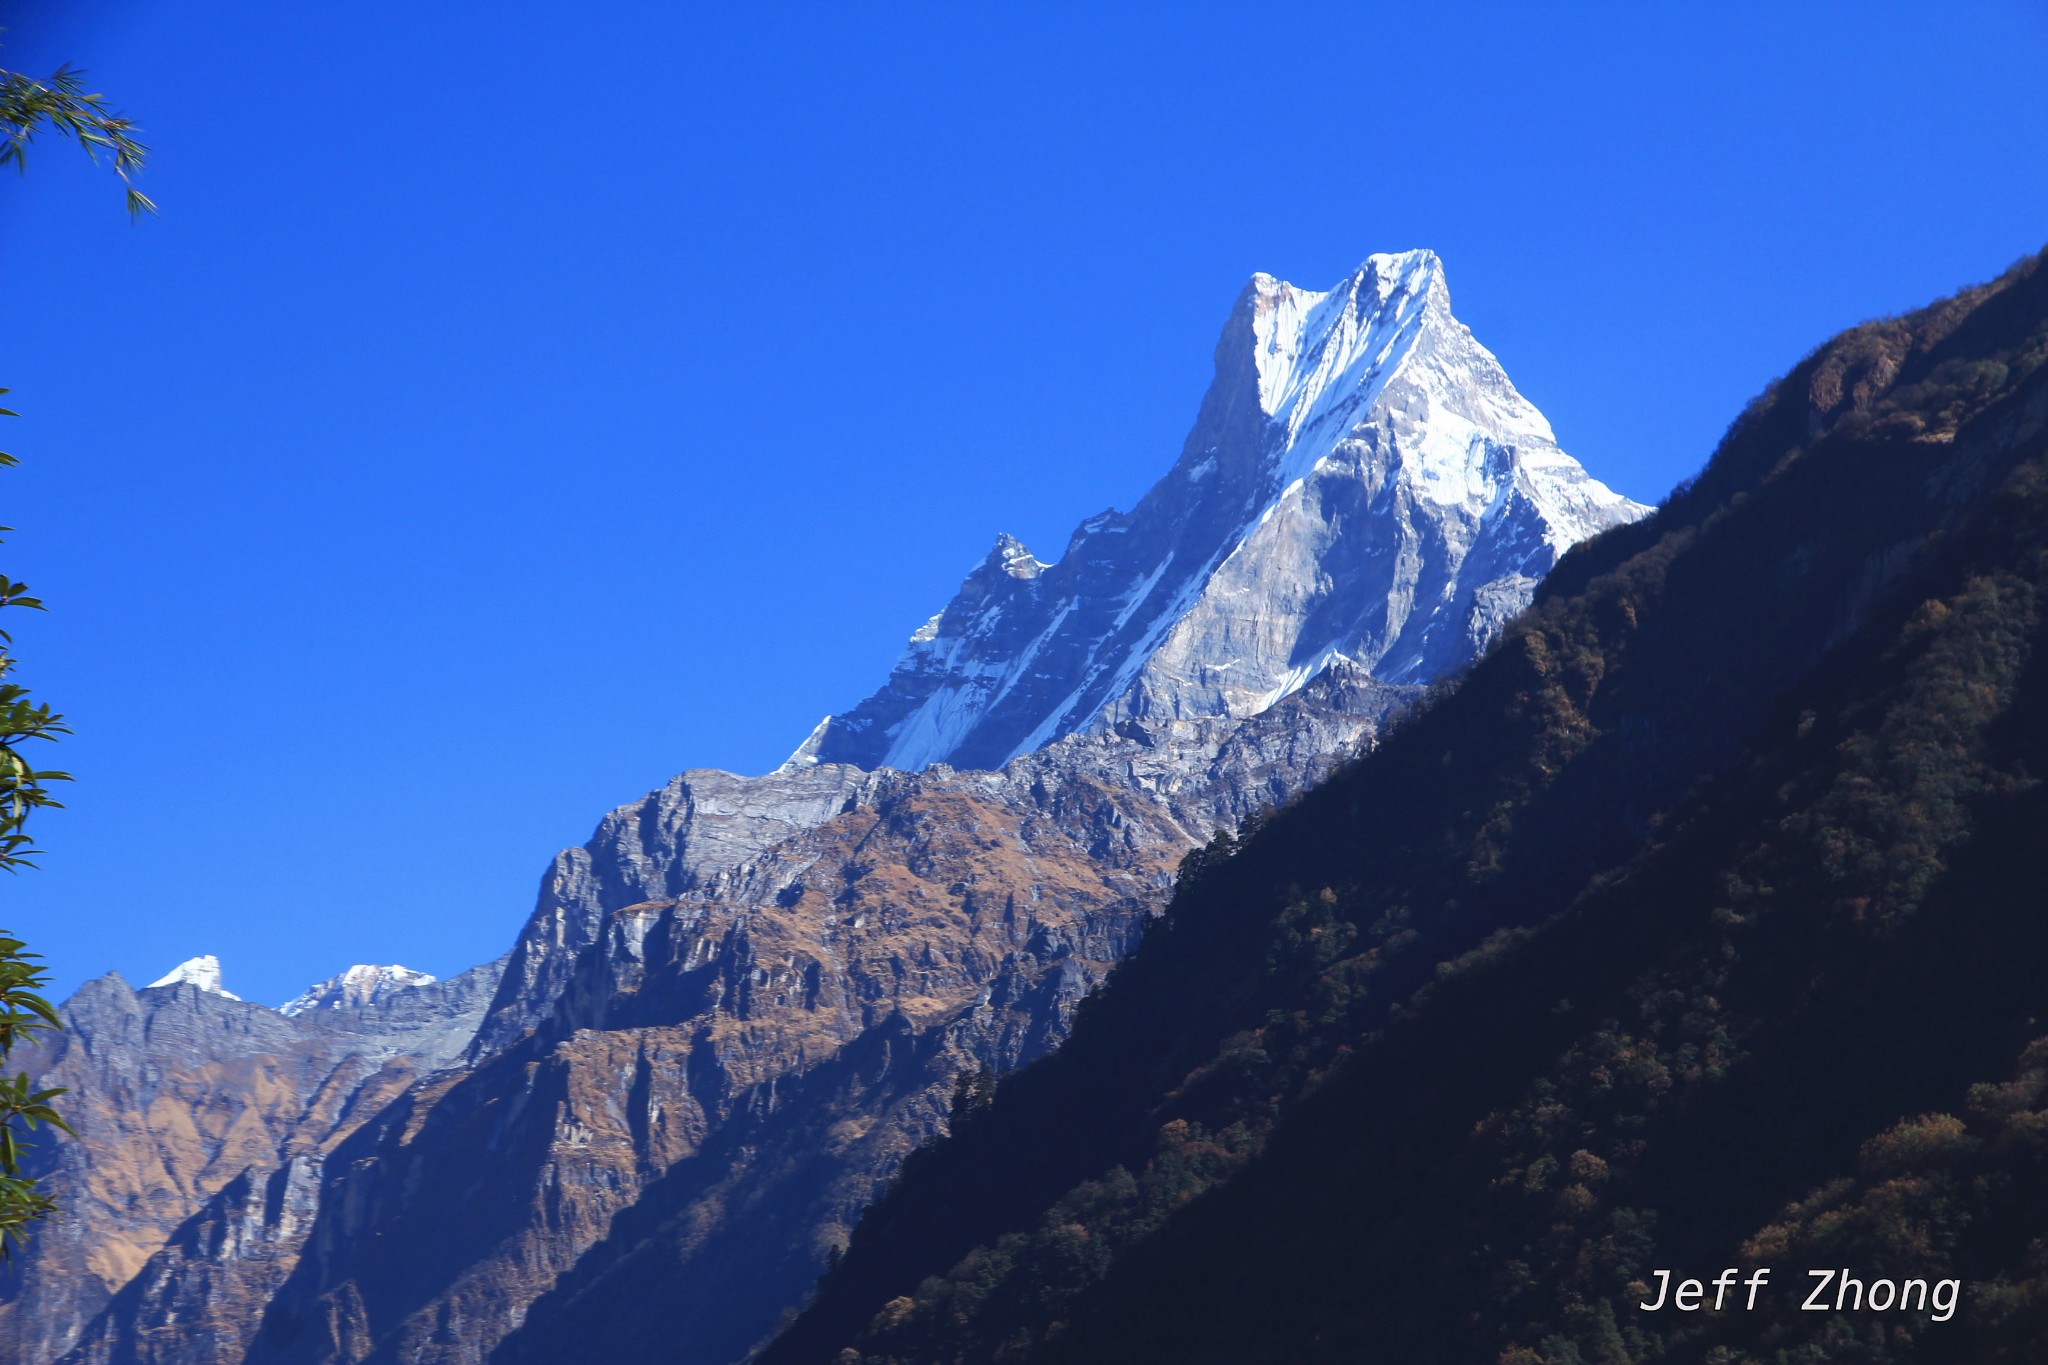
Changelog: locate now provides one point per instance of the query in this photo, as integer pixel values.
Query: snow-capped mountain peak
(1363, 482)
(1310, 343)
(362, 984)
(202, 971)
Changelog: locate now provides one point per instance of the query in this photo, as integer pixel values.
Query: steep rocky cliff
(743, 1065)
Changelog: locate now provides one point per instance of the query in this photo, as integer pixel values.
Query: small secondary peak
(202, 971)
(1010, 556)
(362, 984)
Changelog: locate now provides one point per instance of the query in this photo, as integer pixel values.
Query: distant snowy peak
(359, 986)
(1363, 482)
(202, 971)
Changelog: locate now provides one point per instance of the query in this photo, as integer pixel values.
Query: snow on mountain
(1363, 482)
(202, 971)
(361, 984)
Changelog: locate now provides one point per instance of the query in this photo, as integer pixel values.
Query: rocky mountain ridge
(737, 1068)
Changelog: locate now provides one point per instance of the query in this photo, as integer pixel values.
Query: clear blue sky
(518, 404)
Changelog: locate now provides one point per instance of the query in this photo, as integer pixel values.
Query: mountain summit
(362, 984)
(202, 971)
(1363, 482)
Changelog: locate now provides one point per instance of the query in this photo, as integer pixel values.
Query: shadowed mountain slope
(1699, 926)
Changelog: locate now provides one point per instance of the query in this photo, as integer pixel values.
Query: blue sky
(518, 404)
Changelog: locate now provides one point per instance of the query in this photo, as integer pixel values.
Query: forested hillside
(1700, 926)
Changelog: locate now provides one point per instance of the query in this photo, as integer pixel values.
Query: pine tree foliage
(63, 106)
(24, 1011)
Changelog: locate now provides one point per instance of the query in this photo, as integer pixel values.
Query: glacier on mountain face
(1363, 483)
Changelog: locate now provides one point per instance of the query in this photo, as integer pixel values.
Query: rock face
(184, 1097)
(738, 1008)
(681, 838)
(1363, 482)
(728, 1073)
